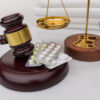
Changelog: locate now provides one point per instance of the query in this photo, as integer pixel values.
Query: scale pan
(53, 22)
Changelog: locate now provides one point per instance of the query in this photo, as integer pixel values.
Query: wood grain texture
(14, 75)
(82, 54)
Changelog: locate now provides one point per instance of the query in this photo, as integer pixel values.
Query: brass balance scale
(13, 73)
(54, 22)
(84, 47)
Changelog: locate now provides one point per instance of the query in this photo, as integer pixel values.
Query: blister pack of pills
(38, 48)
(49, 54)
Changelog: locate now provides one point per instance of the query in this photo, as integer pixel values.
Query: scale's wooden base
(83, 54)
(14, 75)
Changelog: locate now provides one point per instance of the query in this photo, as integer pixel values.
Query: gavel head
(17, 35)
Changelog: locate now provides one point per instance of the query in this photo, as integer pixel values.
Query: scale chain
(62, 6)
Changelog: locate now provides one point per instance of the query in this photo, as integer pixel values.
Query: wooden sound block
(14, 75)
(82, 54)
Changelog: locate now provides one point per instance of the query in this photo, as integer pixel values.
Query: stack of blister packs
(48, 54)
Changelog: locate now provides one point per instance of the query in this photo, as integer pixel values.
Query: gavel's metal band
(19, 37)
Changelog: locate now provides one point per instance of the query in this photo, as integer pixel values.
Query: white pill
(35, 52)
(56, 49)
(48, 59)
(41, 56)
(31, 62)
(43, 48)
(37, 62)
(51, 55)
(44, 45)
(58, 46)
(52, 44)
(54, 52)
(50, 47)
(37, 45)
(32, 57)
(44, 52)
(47, 50)
(36, 49)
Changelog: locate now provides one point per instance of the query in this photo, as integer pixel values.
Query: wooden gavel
(17, 35)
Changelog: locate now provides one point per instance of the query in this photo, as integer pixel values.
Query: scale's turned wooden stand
(83, 54)
(14, 75)
(84, 47)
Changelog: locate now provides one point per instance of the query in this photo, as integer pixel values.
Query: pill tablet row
(38, 47)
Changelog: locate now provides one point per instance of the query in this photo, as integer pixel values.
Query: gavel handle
(3, 40)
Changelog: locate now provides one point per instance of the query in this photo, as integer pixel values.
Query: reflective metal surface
(53, 22)
(82, 43)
